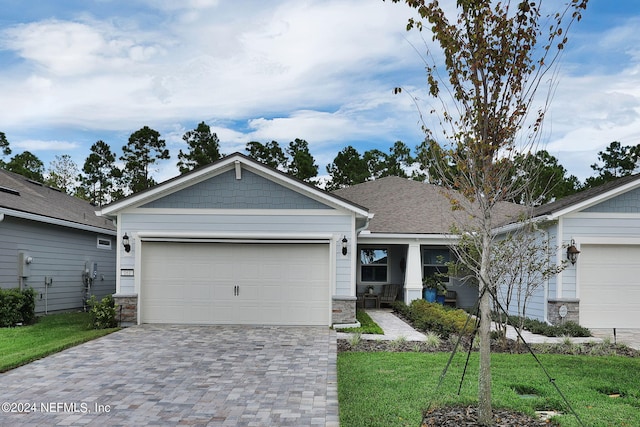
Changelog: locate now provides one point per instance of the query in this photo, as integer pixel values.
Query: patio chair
(389, 294)
(451, 298)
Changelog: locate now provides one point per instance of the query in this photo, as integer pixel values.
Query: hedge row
(428, 316)
(17, 306)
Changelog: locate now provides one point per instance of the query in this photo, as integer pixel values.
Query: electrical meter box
(24, 262)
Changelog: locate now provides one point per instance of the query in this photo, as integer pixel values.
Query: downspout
(365, 226)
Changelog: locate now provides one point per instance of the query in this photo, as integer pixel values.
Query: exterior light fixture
(125, 243)
(572, 252)
(344, 245)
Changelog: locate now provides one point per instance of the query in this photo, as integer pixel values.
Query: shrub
(17, 306)
(435, 317)
(28, 308)
(569, 328)
(103, 313)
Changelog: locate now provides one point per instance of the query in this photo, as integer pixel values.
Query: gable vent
(9, 191)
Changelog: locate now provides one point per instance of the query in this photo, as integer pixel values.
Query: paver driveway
(181, 375)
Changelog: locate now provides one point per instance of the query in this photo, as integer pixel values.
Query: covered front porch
(393, 267)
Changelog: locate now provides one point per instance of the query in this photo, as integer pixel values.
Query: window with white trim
(373, 264)
(104, 243)
(434, 261)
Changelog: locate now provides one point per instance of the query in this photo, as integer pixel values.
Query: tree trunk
(485, 414)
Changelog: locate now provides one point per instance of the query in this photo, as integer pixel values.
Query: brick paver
(181, 375)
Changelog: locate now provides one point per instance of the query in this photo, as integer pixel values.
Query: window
(104, 243)
(373, 264)
(434, 262)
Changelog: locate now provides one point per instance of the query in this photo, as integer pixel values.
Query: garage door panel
(609, 286)
(196, 283)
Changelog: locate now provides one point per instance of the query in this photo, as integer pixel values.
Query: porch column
(413, 276)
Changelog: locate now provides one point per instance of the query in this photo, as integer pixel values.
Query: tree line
(101, 181)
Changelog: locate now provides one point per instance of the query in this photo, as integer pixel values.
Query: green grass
(392, 389)
(51, 334)
(367, 325)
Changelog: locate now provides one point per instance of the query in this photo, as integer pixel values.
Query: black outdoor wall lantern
(344, 245)
(572, 252)
(125, 243)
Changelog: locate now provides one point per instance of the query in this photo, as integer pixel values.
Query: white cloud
(39, 145)
(63, 48)
(318, 70)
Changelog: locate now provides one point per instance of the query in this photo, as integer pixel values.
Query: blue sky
(74, 72)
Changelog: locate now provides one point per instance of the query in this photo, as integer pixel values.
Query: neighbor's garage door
(214, 283)
(609, 286)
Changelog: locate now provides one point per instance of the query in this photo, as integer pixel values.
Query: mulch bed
(461, 416)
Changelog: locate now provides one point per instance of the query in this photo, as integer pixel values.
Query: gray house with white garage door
(236, 242)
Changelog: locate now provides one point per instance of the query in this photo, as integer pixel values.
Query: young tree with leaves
(100, 175)
(28, 165)
(204, 148)
(63, 174)
(145, 149)
(494, 62)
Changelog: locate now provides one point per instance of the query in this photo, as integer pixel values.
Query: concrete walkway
(394, 328)
(161, 375)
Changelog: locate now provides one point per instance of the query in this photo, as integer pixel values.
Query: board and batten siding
(60, 253)
(238, 222)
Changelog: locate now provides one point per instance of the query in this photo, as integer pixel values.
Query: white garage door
(609, 286)
(221, 283)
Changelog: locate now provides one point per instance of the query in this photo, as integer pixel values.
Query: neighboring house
(53, 243)
(602, 288)
(237, 242)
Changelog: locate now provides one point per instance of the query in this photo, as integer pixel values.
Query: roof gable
(226, 191)
(25, 198)
(588, 199)
(235, 181)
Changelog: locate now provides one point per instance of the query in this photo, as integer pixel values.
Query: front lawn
(367, 325)
(392, 389)
(53, 333)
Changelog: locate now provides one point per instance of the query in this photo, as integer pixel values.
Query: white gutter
(519, 224)
(55, 221)
(366, 235)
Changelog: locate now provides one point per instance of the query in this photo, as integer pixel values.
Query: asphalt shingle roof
(20, 194)
(404, 206)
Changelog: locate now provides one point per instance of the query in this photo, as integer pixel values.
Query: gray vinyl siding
(278, 225)
(625, 203)
(580, 227)
(534, 306)
(57, 252)
(226, 192)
